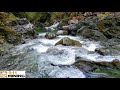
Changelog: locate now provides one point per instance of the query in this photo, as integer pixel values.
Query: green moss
(114, 73)
(34, 16)
(109, 68)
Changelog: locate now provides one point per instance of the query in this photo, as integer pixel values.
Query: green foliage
(28, 15)
(33, 16)
(44, 17)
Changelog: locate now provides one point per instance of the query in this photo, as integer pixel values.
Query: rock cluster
(15, 32)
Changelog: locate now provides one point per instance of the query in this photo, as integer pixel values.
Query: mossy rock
(68, 42)
(76, 43)
(112, 69)
(94, 65)
(110, 26)
(84, 65)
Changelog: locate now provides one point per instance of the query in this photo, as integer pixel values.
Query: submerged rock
(108, 51)
(68, 42)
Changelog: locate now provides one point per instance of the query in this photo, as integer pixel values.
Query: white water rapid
(56, 61)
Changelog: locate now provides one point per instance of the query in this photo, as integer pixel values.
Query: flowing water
(41, 59)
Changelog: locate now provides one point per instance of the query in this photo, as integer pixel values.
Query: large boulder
(91, 22)
(93, 34)
(72, 29)
(68, 42)
(110, 26)
(10, 36)
(110, 68)
(50, 35)
(88, 33)
(14, 31)
(87, 23)
(23, 28)
(22, 23)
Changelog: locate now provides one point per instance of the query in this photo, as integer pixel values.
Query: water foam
(53, 57)
(67, 72)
